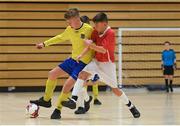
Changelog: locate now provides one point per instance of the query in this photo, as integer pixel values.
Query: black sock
(167, 86)
(166, 82)
(171, 81)
(129, 105)
(75, 98)
(170, 84)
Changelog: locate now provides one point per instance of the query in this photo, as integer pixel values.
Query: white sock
(81, 99)
(85, 94)
(125, 100)
(77, 87)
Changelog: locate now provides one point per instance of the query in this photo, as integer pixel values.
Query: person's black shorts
(168, 70)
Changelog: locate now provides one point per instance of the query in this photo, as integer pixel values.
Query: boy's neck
(103, 30)
(79, 25)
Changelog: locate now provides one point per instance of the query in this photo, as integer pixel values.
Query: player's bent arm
(96, 48)
(108, 43)
(83, 53)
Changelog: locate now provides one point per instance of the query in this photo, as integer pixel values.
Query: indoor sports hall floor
(155, 107)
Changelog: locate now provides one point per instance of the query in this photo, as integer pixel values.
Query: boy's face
(74, 22)
(100, 26)
(167, 46)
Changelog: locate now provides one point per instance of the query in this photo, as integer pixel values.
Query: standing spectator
(168, 65)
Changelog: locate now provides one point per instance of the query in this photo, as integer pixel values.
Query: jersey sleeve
(89, 32)
(93, 36)
(59, 38)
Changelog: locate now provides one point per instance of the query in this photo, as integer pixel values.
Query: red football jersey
(107, 40)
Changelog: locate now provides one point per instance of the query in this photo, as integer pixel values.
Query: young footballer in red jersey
(81, 104)
(103, 64)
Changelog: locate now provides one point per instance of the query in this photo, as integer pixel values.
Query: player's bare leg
(82, 98)
(79, 85)
(83, 76)
(45, 101)
(126, 101)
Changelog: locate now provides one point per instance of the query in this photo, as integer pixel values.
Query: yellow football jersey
(76, 38)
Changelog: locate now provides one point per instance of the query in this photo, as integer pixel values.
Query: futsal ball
(32, 110)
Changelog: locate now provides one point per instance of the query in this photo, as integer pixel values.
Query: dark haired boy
(168, 65)
(82, 108)
(86, 19)
(103, 64)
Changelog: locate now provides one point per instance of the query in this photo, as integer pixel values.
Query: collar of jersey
(101, 35)
(80, 27)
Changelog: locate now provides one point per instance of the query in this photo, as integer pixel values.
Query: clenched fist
(40, 45)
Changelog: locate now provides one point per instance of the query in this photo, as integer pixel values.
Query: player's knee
(68, 85)
(66, 89)
(170, 77)
(117, 91)
(52, 75)
(82, 75)
(166, 77)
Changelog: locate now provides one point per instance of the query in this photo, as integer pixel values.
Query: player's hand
(88, 42)
(40, 45)
(78, 58)
(175, 66)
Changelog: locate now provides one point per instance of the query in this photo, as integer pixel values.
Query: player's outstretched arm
(57, 39)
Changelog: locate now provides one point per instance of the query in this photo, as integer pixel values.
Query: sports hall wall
(25, 23)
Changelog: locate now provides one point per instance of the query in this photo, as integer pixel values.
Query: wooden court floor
(155, 107)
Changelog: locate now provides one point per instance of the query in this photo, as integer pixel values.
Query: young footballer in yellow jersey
(76, 33)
